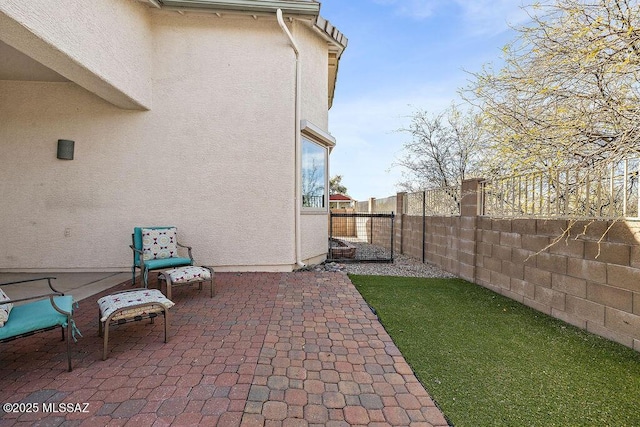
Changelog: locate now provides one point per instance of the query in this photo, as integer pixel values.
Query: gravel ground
(402, 265)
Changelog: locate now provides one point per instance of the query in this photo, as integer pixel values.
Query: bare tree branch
(444, 149)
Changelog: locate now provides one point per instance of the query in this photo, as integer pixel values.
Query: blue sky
(404, 55)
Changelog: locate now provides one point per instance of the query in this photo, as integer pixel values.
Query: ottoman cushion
(188, 274)
(110, 303)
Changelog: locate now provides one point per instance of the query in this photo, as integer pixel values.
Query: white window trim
(318, 136)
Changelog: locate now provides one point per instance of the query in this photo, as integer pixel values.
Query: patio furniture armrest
(36, 297)
(139, 251)
(48, 279)
(54, 292)
(188, 248)
(140, 257)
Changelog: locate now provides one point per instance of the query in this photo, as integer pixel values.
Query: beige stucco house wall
(180, 116)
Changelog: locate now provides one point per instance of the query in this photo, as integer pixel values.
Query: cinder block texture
(590, 276)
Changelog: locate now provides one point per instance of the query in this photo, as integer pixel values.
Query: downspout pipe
(297, 150)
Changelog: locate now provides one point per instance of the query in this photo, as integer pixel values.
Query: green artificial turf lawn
(490, 361)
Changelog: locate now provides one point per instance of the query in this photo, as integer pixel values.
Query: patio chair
(37, 313)
(156, 248)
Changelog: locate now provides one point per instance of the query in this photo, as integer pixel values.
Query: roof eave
(291, 7)
(337, 44)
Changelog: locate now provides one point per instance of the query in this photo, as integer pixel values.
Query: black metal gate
(360, 237)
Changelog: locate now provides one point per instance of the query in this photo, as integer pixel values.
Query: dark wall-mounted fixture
(65, 149)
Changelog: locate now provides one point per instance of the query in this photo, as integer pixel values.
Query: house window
(314, 175)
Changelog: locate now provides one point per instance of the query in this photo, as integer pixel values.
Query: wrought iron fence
(310, 201)
(360, 237)
(610, 192)
(443, 201)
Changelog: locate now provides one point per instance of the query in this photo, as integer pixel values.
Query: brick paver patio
(270, 349)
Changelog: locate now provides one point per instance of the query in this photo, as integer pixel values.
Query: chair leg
(133, 275)
(99, 324)
(106, 339)
(166, 324)
(168, 283)
(211, 278)
(69, 344)
(145, 278)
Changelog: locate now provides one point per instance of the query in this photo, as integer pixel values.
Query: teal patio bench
(37, 313)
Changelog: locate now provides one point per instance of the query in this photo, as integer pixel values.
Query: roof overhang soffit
(290, 7)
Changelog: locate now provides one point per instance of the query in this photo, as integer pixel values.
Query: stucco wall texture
(102, 46)
(213, 156)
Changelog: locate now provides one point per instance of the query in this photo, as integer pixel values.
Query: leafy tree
(569, 92)
(444, 149)
(335, 185)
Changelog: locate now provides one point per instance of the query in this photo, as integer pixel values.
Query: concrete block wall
(590, 277)
(410, 229)
(585, 279)
(379, 231)
(449, 242)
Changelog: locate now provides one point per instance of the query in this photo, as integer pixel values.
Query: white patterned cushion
(5, 309)
(111, 303)
(188, 274)
(159, 243)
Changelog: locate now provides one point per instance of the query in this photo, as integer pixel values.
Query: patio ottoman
(129, 306)
(185, 276)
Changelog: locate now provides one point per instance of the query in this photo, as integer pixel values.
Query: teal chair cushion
(36, 315)
(155, 264)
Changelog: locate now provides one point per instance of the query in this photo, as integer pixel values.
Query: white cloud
(416, 9)
(490, 17)
(483, 17)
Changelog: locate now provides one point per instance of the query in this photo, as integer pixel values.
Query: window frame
(316, 136)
